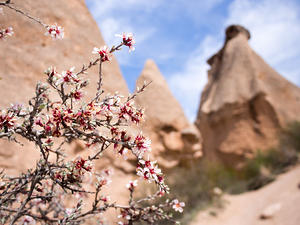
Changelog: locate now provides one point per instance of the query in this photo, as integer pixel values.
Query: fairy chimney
(174, 139)
(245, 102)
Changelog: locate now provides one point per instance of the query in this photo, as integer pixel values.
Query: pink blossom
(132, 184)
(108, 172)
(9, 31)
(82, 165)
(39, 122)
(104, 177)
(55, 31)
(103, 52)
(6, 32)
(178, 206)
(7, 120)
(50, 72)
(69, 211)
(125, 215)
(27, 220)
(68, 77)
(103, 180)
(150, 171)
(105, 199)
(78, 95)
(141, 145)
(127, 112)
(122, 223)
(128, 40)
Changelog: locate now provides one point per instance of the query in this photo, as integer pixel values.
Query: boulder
(270, 211)
(245, 102)
(174, 139)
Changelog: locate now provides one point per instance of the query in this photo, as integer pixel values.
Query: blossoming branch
(101, 123)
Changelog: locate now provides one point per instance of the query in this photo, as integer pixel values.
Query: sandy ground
(246, 208)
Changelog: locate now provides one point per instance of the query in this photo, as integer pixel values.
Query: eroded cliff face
(245, 102)
(28, 53)
(174, 140)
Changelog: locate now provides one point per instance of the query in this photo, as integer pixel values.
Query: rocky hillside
(29, 52)
(245, 102)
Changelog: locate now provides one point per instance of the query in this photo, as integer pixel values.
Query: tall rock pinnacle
(174, 139)
(245, 101)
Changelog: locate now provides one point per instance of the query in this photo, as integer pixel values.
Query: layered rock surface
(174, 139)
(245, 102)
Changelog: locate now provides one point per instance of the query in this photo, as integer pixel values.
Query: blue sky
(180, 35)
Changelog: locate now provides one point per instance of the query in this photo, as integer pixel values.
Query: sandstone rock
(244, 103)
(174, 139)
(270, 211)
(27, 54)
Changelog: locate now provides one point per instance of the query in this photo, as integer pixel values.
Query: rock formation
(174, 139)
(27, 54)
(245, 102)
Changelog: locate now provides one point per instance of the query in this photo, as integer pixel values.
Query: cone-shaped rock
(174, 139)
(28, 53)
(245, 101)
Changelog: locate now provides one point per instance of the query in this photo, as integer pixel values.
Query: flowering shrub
(39, 195)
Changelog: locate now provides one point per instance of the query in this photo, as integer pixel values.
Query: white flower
(9, 31)
(217, 191)
(69, 212)
(128, 40)
(55, 31)
(27, 220)
(102, 180)
(67, 77)
(142, 145)
(6, 32)
(103, 52)
(105, 199)
(132, 184)
(121, 223)
(178, 206)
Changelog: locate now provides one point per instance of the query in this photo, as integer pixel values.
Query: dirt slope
(246, 209)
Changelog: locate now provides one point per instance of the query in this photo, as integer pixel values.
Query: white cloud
(137, 16)
(111, 26)
(188, 83)
(196, 10)
(275, 29)
(106, 7)
(117, 16)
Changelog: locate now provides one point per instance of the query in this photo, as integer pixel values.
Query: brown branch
(9, 5)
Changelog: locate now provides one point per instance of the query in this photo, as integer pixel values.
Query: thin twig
(9, 5)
